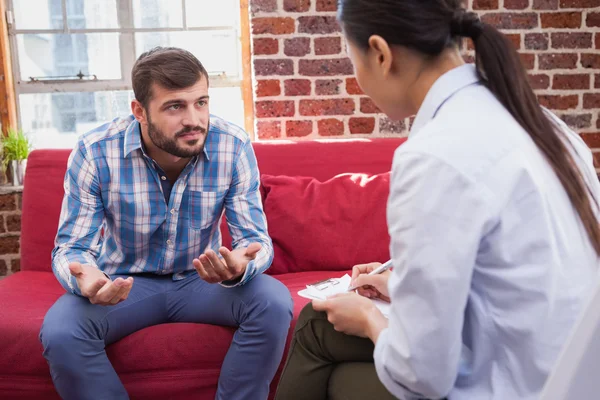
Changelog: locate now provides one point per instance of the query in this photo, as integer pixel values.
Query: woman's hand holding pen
(371, 286)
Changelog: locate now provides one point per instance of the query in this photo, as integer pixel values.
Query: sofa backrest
(321, 159)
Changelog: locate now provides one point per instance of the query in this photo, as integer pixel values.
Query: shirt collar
(133, 140)
(446, 86)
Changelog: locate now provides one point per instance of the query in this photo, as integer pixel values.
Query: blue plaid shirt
(115, 215)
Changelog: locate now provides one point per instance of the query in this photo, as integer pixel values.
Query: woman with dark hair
(492, 216)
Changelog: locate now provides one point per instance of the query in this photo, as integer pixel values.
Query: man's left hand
(213, 269)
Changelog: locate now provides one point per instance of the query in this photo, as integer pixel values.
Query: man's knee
(309, 314)
(273, 301)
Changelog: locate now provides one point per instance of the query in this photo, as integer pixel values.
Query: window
(72, 59)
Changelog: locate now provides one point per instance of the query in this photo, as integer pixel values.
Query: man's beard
(171, 146)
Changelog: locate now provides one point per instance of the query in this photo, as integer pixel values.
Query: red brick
(556, 102)
(597, 83)
(571, 82)
(318, 24)
(593, 19)
(590, 61)
(15, 265)
(328, 87)
(591, 100)
(537, 41)
(331, 127)
(539, 81)
(367, 106)
(512, 20)
(387, 125)
(579, 3)
(13, 223)
(273, 67)
(545, 4)
(515, 38)
(296, 5)
(296, 47)
(352, 86)
(297, 87)
(3, 268)
(591, 139)
(257, 6)
(272, 109)
(273, 25)
(485, 4)
(326, 5)
(265, 46)
(561, 20)
(528, 60)
(298, 128)
(7, 202)
(339, 66)
(557, 61)
(571, 40)
(270, 87)
(516, 4)
(362, 125)
(327, 107)
(268, 129)
(577, 121)
(469, 59)
(19, 200)
(597, 40)
(9, 245)
(596, 156)
(2, 226)
(328, 45)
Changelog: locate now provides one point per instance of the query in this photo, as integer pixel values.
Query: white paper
(342, 286)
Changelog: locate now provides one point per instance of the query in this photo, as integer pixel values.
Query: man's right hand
(100, 290)
(371, 286)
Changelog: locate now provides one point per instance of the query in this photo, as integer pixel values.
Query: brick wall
(10, 230)
(303, 79)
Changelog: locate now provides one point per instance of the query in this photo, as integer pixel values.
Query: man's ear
(138, 112)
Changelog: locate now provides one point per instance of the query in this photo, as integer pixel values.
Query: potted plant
(15, 150)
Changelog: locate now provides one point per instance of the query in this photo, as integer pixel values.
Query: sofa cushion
(329, 225)
(175, 361)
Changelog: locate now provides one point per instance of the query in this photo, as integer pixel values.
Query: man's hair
(169, 67)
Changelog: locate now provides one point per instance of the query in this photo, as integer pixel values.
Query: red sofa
(318, 230)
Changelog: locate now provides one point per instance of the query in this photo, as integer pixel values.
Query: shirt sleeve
(436, 219)
(245, 216)
(81, 219)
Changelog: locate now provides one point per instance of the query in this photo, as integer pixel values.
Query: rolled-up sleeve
(436, 219)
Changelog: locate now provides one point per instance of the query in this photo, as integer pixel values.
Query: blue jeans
(75, 332)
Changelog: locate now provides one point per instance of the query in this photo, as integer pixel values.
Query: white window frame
(127, 45)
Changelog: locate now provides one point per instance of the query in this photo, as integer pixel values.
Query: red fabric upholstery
(345, 215)
(150, 362)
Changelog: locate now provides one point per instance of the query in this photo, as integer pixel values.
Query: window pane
(57, 119)
(207, 46)
(92, 14)
(227, 103)
(67, 54)
(157, 14)
(212, 13)
(47, 15)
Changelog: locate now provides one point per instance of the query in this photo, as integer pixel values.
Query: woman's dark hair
(430, 26)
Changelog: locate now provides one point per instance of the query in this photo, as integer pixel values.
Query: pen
(382, 268)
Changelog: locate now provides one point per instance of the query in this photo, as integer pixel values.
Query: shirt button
(173, 211)
(164, 178)
(169, 242)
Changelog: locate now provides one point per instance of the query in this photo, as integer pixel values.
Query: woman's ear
(380, 55)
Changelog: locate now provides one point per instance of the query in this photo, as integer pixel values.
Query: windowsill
(8, 189)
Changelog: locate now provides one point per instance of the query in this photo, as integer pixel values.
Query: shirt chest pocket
(205, 208)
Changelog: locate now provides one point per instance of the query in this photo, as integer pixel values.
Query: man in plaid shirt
(138, 242)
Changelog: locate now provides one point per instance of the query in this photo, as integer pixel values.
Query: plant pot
(18, 172)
